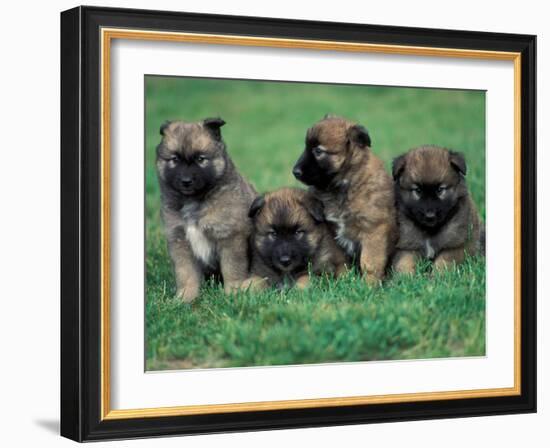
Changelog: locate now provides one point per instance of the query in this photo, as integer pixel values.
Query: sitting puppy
(290, 234)
(438, 219)
(205, 202)
(356, 191)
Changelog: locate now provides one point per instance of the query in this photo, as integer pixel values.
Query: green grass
(424, 316)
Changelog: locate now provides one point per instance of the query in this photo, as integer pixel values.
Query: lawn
(424, 316)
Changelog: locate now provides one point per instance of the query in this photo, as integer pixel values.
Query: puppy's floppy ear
(256, 206)
(214, 125)
(397, 167)
(458, 162)
(359, 135)
(164, 126)
(316, 209)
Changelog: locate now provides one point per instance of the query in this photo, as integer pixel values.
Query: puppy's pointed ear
(458, 162)
(316, 209)
(164, 126)
(397, 167)
(214, 125)
(256, 206)
(359, 135)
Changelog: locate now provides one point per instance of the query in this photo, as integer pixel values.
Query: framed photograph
(273, 223)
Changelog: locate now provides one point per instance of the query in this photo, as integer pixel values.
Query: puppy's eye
(317, 152)
(416, 192)
(174, 158)
(442, 191)
(299, 233)
(201, 160)
(272, 234)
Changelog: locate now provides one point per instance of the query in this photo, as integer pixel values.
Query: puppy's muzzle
(297, 170)
(429, 215)
(285, 260)
(186, 182)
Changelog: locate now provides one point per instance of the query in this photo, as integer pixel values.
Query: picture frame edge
(80, 255)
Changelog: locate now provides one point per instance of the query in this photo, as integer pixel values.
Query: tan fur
(460, 236)
(360, 203)
(328, 257)
(207, 235)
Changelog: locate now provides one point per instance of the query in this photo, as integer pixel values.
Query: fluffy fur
(437, 218)
(290, 235)
(205, 203)
(357, 193)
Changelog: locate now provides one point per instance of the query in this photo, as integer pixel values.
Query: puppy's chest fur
(198, 234)
(413, 238)
(429, 250)
(339, 219)
(341, 236)
(453, 234)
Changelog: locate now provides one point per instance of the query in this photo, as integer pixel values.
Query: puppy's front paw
(255, 283)
(405, 262)
(442, 264)
(373, 280)
(234, 286)
(188, 293)
(449, 259)
(302, 282)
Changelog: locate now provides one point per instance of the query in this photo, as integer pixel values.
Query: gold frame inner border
(107, 36)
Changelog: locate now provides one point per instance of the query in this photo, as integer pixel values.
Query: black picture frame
(81, 224)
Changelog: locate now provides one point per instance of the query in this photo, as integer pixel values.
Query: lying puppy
(205, 203)
(356, 191)
(289, 235)
(437, 217)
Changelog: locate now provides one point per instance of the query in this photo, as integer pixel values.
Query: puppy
(357, 193)
(290, 234)
(205, 203)
(437, 218)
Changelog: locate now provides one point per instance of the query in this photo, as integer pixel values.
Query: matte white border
(131, 387)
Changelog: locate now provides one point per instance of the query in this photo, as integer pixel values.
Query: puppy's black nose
(297, 171)
(186, 181)
(430, 214)
(285, 260)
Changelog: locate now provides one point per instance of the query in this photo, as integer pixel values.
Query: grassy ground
(421, 317)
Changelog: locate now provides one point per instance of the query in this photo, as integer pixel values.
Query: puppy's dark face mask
(192, 175)
(314, 167)
(429, 205)
(330, 145)
(191, 157)
(429, 185)
(285, 234)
